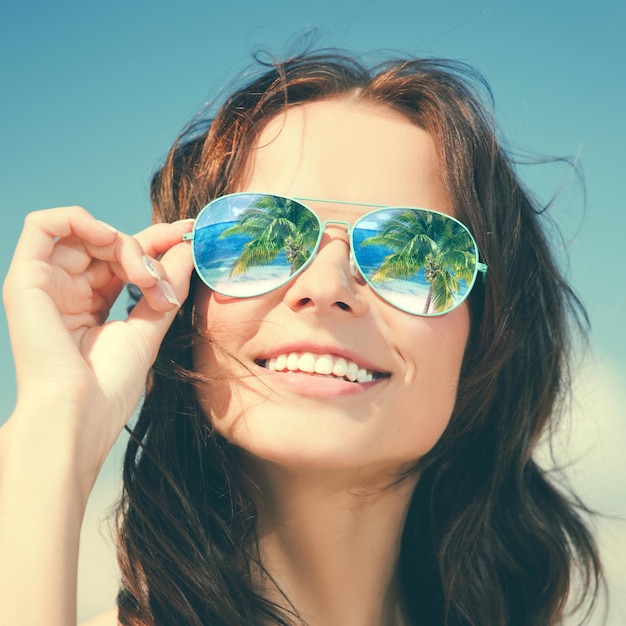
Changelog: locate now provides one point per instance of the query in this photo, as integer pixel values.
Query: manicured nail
(168, 293)
(147, 261)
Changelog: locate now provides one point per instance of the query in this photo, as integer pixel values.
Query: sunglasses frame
(350, 228)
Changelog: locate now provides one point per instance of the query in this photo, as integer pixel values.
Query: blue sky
(94, 93)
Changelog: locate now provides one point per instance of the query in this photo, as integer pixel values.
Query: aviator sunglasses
(418, 260)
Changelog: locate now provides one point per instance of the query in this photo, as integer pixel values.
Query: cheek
(439, 351)
(430, 348)
(226, 321)
(227, 327)
(432, 353)
(213, 352)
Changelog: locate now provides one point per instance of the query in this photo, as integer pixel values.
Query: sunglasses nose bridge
(327, 223)
(348, 226)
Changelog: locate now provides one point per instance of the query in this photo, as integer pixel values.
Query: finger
(128, 253)
(155, 241)
(126, 258)
(146, 318)
(98, 274)
(31, 279)
(156, 288)
(72, 255)
(104, 281)
(177, 262)
(42, 229)
(159, 238)
(107, 268)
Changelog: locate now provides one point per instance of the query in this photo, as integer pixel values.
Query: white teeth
(353, 371)
(362, 375)
(324, 364)
(307, 362)
(341, 367)
(293, 360)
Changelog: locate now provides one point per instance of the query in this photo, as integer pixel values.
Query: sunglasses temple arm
(188, 236)
(482, 268)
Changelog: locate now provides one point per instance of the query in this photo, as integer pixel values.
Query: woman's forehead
(349, 150)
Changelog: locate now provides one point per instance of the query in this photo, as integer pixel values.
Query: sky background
(93, 93)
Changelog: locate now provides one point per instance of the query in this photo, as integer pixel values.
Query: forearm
(42, 502)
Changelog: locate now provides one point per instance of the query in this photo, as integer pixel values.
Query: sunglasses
(420, 261)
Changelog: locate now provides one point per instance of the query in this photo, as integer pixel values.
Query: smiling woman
(325, 311)
(339, 422)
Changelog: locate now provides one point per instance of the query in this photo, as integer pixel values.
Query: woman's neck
(331, 545)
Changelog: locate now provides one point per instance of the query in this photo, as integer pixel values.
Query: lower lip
(316, 385)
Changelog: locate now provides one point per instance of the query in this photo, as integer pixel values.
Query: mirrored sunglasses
(418, 260)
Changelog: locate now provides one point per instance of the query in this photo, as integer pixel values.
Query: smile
(327, 365)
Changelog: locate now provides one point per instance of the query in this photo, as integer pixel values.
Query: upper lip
(319, 349)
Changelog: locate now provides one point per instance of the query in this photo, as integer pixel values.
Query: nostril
(304, 302)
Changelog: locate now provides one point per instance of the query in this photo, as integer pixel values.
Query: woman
(314, 446)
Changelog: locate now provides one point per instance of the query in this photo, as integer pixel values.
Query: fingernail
(147, 261)
(168, 293)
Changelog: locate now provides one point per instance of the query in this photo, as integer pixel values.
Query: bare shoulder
(106, 619)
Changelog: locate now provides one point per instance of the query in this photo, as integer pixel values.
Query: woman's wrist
(41, 451)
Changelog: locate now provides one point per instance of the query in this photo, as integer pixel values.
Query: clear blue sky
(93, 93)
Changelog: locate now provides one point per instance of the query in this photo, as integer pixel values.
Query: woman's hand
(76, 373)
(79, 379)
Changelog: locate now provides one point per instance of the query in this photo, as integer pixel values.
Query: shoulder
(106, 619)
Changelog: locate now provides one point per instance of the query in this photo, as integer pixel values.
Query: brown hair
(489, 539)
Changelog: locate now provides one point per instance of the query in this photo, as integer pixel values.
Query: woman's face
(339, 150)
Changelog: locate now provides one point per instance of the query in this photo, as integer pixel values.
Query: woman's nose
(329, 284)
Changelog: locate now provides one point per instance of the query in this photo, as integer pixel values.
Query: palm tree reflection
(432, 243)
(275, 225)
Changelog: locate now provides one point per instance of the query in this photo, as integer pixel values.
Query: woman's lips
(325, 364)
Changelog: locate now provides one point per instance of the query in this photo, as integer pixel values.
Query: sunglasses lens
(248, 244)
(422, 262)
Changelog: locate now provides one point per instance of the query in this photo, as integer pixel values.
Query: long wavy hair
(489, 538)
